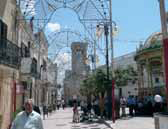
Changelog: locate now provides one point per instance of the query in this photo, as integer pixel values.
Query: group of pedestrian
(61, 103)
(146, 105)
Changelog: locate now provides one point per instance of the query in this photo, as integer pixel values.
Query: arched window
(34, 66)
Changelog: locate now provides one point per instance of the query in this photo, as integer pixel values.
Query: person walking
(45, 111)
(75, 113)
(63, 104)
(130, 102)
(158, 103)
(58, 104)
(123, 105)
(28, 119)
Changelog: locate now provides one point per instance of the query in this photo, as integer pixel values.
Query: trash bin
(161, 120)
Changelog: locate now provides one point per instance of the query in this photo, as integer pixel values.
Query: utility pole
(112, 61)
(165, 43)
(94, 58)
(109, 94)
(107, 53)
(94, 52)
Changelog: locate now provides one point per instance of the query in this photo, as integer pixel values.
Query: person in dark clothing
(45, 111)
(89, 108)
(36, 109)
(117, 107)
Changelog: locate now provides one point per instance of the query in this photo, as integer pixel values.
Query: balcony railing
(9, 54)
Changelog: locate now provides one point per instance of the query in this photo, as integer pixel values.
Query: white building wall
(123, 62)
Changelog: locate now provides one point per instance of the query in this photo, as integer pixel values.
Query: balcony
(29, 67)
(9, 54)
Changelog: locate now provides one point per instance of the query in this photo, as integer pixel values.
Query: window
(157, 80)
(28, 49)
(3, 37)
(44, 65)
(3, 30)
(34, 66)
(23, 47)
(25, 51)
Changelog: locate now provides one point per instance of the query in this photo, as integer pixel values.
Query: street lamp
(110, 91)
(165, 42)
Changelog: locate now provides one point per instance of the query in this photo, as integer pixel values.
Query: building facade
(9, 61)
(52, 87)
(79, 71)
(25, 70)
(28, 69)
(40, 92)
(149, 58)
(124, 62)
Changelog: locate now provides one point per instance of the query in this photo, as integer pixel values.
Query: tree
(96, 84)
(87, 87)
(102, 84)
(123, 76)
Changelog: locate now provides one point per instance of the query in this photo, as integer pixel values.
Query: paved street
(62, 119)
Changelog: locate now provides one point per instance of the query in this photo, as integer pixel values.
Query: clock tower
(79, 57)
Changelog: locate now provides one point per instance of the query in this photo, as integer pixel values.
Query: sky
(136, 20)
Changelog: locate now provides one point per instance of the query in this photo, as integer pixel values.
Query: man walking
(27, 119)
(123, 105)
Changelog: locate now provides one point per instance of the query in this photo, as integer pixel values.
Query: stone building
(24, 67)
(41, 52)
(9, 61)
(35, 72)
(29, 58)
(149, 58)
(52, 86)
(79, 71)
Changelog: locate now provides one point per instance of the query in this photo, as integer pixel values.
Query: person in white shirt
(158, 103)
(28, 119)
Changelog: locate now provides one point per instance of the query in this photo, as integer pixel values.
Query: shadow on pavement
(105, 123)
(57, 118)
(95, 123)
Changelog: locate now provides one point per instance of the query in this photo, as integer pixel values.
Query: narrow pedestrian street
(62, 119)
(86, 54)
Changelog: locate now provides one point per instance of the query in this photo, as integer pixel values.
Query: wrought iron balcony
(9, 54)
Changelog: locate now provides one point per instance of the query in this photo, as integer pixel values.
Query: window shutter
(5, 30)
(1, 23)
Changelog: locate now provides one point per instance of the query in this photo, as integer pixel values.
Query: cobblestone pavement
(62, 119)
